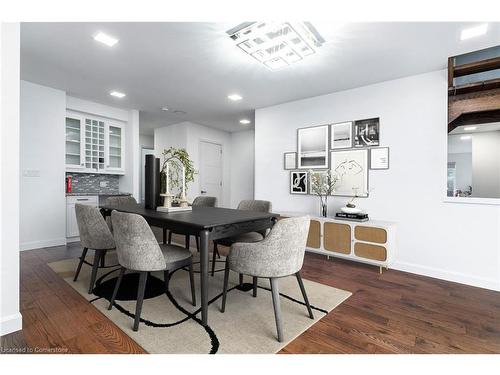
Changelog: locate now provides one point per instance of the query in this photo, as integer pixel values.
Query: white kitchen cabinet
(94, 144)
(72, 232)
(74, 142)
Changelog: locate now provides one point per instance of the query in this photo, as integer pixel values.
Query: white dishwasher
(71, 225)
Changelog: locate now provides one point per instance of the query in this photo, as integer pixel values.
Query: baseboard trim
(39, 244)
(11, 323)
(438, 273)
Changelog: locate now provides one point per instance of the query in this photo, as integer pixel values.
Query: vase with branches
(177, 171)
(323, 185)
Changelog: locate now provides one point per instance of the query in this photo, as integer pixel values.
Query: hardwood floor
(395, 312)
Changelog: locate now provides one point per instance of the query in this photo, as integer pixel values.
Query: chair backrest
(255, 205)
(136, 245)
(94, 232)
(205, 201)
(281, 253)
(121, 200)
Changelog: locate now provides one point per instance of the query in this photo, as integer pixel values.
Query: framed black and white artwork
(312, 147)
(290, 160)
(367, 133)
(351, 168)
(298, 182)
(341, 135)
(379, 158)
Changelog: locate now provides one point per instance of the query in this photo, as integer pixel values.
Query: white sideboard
(372, 242)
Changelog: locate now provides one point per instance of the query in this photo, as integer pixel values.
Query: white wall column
(10, 318)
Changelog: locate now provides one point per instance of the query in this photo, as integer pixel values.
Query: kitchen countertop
(98, 194)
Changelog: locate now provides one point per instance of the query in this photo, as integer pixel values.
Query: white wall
(42, 154)
(10, 318)
(130, 182)
(242, 166)
(459, 242)
(188, 135)
(463, 169)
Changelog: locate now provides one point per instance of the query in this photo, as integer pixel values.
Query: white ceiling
(194, 66)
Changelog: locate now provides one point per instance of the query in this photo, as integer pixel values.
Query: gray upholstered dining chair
(139, 251)
(94, 235)
(279, 255)
(120, 200)
(247, 205)
(200, 201)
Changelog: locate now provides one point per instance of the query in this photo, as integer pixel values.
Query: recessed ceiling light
(234, 97)
(474, 31)
(164, 108)
(469, 128)
(117, 94)
(465, 137)
(105, 39)
(277, 44)
(245, 121)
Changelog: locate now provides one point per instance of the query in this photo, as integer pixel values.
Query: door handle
(203, 192)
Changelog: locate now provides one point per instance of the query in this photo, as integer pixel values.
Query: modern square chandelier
(277, 44)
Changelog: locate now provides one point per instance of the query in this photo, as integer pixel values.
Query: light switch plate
(31, 173)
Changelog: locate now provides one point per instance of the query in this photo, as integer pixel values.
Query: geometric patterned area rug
(171, 324)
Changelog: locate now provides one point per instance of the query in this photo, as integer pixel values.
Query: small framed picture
(298, 182)
(290, 160)
(316, 178)
(341, 135)
(379, 158)
(367, 133)
(312, 147)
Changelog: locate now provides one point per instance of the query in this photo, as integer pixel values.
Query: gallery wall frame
(289, 160)
(351, 166)
(379, 158)
(299, 182)
(366, 133)
(312, 147)
(341, 135)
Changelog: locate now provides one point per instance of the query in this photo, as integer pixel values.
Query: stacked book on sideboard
(351, 217)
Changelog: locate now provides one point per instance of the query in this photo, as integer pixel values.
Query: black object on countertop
(152, 182)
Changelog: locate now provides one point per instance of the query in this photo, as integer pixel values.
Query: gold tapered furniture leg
(380, 270)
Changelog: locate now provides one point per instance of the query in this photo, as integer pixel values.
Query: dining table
(208, 223)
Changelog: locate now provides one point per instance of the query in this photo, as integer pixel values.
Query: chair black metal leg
(213, 258)
(166, 279)
(303, 290)
(140, 297)
(255, 286)
(80, 263)
(164, 235)
(103, 259)
(188, 241)
(197, 239)
(191, 281)
(117, 286)
(95, 266)
(170, 237)
(277, 309)
(241, 279)
(224, 288)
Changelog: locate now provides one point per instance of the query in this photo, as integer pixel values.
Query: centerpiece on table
(323, 184)
(177, 171)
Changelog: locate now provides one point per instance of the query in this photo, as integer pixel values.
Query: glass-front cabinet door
(74, 144)
(115, 154)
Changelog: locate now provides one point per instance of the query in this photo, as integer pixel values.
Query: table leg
(204, 275)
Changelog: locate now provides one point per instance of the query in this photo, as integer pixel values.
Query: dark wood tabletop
(199, 218)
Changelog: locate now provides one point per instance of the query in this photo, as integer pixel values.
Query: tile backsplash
(91, 183)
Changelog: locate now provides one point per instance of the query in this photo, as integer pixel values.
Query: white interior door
(144, 152)
(211, 170)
